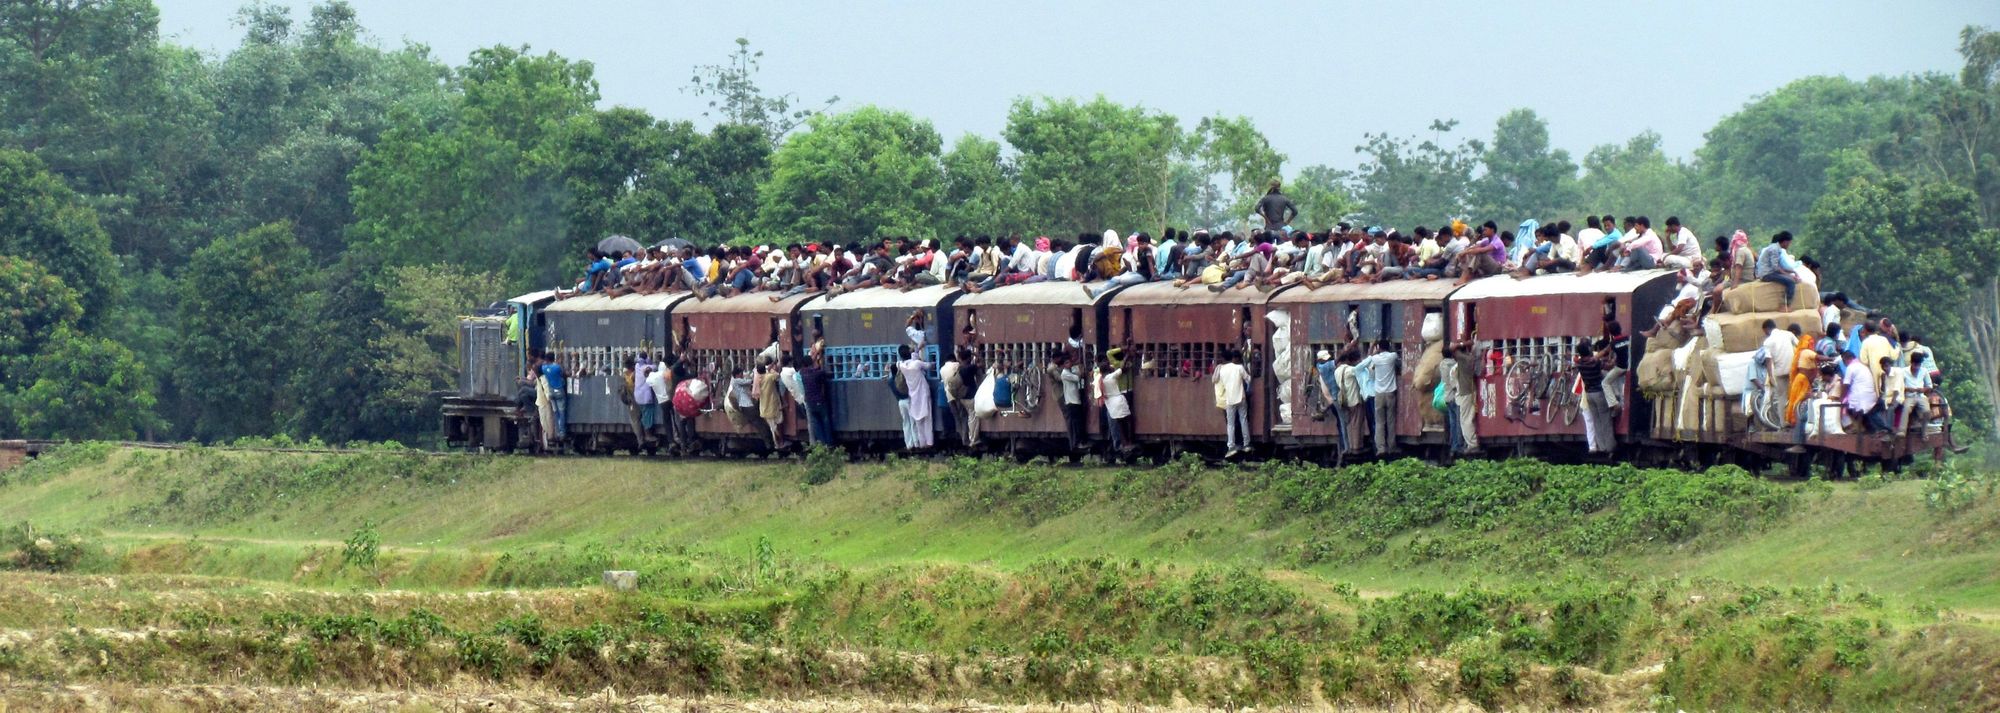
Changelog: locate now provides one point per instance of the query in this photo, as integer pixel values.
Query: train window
(1126, 334)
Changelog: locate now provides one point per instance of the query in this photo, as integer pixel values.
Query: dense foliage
(146, 176)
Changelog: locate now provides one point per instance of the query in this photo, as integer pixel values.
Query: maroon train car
(1552, 317)
(722, 333)
(1177, 336)
(1334, 316)
(1027, 325)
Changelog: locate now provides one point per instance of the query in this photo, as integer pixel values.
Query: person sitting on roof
(1195, 257)
(1601, 252)
(984, 266)
(1775, 264)
(1482, 258)
(1141, 268)
(1256, 268)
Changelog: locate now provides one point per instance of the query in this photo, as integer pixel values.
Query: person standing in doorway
(1232, 383)
(1073, 411)
(1382, 379)
(916, 382)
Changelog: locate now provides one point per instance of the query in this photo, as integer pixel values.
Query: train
(1522, 329)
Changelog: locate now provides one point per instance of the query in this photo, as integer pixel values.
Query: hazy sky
(1315, 76)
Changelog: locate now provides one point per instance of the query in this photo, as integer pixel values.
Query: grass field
(1490, 584)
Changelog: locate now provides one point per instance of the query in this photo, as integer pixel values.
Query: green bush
(823, 464)
(48, 551)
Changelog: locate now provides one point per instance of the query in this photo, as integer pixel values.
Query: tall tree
(1918, 251)
(854, 176)
(980, 193)
(1405, 182)
(1228, 166)
(1763, 166)
(1522, 176)
(1637, 178)
(81, 387)
(413, 346)
(734, 97)
(37, 304)
(1955, 136)
(484, 187)
(1091, 165)
(1322, 197)
(42, 220)
(243, 298)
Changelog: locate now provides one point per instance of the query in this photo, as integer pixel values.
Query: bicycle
(1533, 386)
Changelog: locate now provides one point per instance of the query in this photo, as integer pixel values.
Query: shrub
(823, 464)
(47, 550)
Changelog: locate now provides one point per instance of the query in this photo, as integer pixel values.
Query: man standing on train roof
(1276, 209)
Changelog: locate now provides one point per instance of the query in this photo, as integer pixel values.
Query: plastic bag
(983, 405)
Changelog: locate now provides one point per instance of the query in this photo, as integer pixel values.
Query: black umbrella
(673, 244)
(618, 244)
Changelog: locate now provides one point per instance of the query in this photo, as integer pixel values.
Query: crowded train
(1612, 342)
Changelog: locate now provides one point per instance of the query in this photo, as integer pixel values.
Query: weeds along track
(1077, 632)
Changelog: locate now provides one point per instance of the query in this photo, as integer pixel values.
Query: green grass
(259, 513)
(1535, 585)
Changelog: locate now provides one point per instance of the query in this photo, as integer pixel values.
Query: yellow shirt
(1428, 249)
(1873, 349)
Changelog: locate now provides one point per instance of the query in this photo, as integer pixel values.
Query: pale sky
(1314, 76)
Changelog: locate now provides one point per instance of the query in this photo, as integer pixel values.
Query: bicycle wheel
(1520, 379)
(1771, 410)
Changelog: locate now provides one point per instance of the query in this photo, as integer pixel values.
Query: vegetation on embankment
(448, 522)
(1495, 583)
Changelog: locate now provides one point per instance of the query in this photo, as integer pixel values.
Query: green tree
(1405, 182)
(1636, 178)
(340, 394)
(1955, 136)
(1918, 252)
(854, 176)
(242, 302)
(82, 387)
(1764, 165)
(734, 97)
(33, 305)
(1322, 197)
(413, 348)
(980, 193)
(91, 92)
(626, 173)
(42, 220)
(482, 187)
(1523, 177)
(1089, 166)
(1222, 168)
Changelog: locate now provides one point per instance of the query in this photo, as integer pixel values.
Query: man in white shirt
(1686, 249)
(1231, 385)
(1381, 374)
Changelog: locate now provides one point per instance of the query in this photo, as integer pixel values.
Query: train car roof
(1391, 291)
(1055, 294)
(1165, 293)
(888, 298)
(1568, 283)
(534, 298)
(625, 303)
(748, 303)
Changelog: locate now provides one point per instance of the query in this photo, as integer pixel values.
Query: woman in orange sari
(1805, 364)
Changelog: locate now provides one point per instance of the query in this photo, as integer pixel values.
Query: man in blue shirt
(552, 374)
(1775, 264)
(1329, 385)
